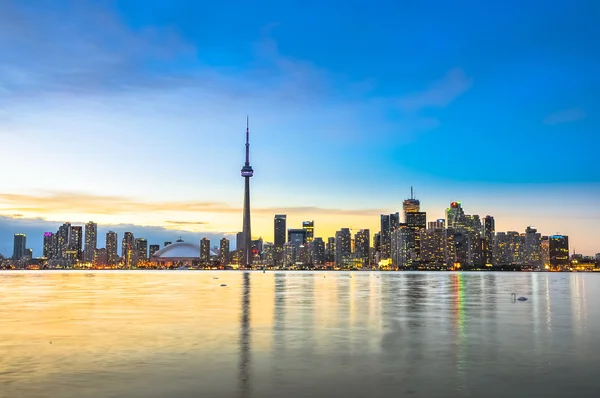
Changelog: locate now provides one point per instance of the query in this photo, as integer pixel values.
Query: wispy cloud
(49, 203)
(186, 222)
(565, 116)
(440, 93)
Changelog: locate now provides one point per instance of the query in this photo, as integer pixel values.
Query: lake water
(298, 334)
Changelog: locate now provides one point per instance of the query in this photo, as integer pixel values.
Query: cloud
(440, 93)
(565, 116)
(186, 222)
(49, 203)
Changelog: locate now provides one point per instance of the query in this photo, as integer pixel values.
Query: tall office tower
(127, 245)
(247, 173)
(112, 257)
(433, 247)
(141, 246)
(205, 250)
(362, 244)
(411, 205)
(516, 246)
(385, 236)
(439, 223)
(330, 250)
(377, 243)
(342, 246)
(20, 244)
(63, 234)
(489, 229)
(297, 237)
(167, 244)
(403, 246)
(280, 230)
(239, 241)
(500, 249)
(48, 245)
(475, 247)
(450, 249)
(461, 247)
(545, 251)
(455, 216)
(268, 254)
(559, 250)
(473, 224)
(532, 253)
(91, 241)
(224, 251)
(309, 227)
(417, 221)
(76, 242)
(28, 254)
(318, 251)
(289, 254)
(394, 221)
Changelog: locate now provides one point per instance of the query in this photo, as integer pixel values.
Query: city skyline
(136, 122)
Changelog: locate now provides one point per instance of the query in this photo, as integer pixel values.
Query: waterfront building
(532, 253)
(205, 250)
(19, 246)
(297, 237)
(76, 243)
(411, 205)
(309, 227)
(318, 251)
(385, 236)
(362, 243)
(223, 251)
(489, 229)
(289, 254)
(49, 245)
(433, 247)
(403, 247)
(153, 250)
(111, 248)
(559, 250)
(279, 230)
(28, 254)
(141, 245)
(330, 250)
(91, 241)
(268, 254)
(417, 221)
(455, 215)
(178, 254)
(127, 246)
(63, 233)
(342, 246)
(545, 251)
(100, 257)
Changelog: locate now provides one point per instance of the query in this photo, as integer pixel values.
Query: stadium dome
(179, 251)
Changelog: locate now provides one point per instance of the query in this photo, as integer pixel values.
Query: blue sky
(133, 112)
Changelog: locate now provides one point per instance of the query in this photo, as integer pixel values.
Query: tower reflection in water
(245, 339)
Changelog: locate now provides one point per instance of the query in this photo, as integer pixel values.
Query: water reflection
(151, 334)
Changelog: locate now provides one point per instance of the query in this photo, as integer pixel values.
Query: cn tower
(247, 172)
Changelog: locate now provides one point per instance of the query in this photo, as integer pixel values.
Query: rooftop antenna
(247, 140)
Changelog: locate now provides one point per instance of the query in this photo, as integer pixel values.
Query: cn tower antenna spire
(247, 141)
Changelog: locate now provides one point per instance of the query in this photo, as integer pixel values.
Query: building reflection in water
(245, 339)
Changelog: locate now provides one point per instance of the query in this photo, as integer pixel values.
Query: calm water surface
(180, 334)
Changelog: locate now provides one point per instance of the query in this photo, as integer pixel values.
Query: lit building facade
(559, 250)
(153, 250)
(223, 251)
(362, 244)
(127, 247)
(19, 246)
(205, 250)
(91, 241)
(297, 237)
(343, 246)
(318, 251)
(49, 245)
(76, 243)
(417, 221)
(111, 248)
(141, 246)
(489, 230)
(309, 227)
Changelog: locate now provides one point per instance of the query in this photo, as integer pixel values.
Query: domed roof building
(178, 252)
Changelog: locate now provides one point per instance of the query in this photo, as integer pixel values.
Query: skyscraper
(205, 250)
(362, 244)
(559, 250)
(489, 230)
(411, 205)
(330, 250)
(62, 241)
(297, 237)
(280, 230)
(318, 249)
(342, 246)
(91, 241)
(417, 221)
(247, 173)
(112, 257)
(309, 227)
(224, 251)
(19, 247)
(239, 241)
(48, 245)
(533, 247)
(439, 223)
(455, 215)
(141, 245)
(76, 242)
(127, 244)
(385, 235)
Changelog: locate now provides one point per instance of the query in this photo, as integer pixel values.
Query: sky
(133, 113)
